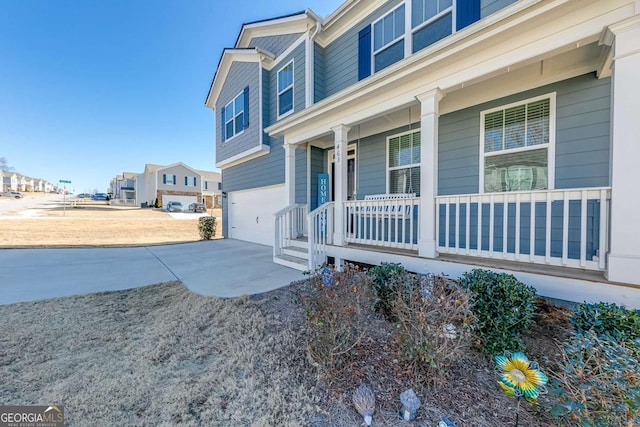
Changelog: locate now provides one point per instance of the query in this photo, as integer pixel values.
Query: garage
(185, 200)
(251, 213)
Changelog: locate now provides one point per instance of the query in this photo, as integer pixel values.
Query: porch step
(300, 242)
(296, 263)
(297, 252)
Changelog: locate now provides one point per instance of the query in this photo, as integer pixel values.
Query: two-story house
(443, 134)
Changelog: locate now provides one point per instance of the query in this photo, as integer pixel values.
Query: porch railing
(290, 223)
(387, 222)
(320, 234)
(556, 227)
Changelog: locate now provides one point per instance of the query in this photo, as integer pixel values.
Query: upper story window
(403, 168)
(423, 11)
(517, 144)
(388, 36)
(168, 179)
(190, 181)
(285, 89)
(235, 116)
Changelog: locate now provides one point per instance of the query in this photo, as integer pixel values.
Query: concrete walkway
(222, 268)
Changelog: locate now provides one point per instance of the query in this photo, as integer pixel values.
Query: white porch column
(289, 174)
(429, 104)
(340, 182)
(624, 254)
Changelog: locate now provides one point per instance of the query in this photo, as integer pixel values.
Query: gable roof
(287, 24)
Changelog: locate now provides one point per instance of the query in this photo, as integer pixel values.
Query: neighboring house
(177, 182)
(22, 182)
(39, 185)
(10, 181)
(122, 189)
(211, 188)
(444, 135)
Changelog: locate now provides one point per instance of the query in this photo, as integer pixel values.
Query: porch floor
(548, 270)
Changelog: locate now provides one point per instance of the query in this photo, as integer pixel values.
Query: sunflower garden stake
(520, 377)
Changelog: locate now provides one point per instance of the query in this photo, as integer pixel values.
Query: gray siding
(241, 74)
(298, 56)
(318, 73)
(341, 56)
(487, 7)
(274, 44)
(260, 172)
(582, 137)
(301, 175)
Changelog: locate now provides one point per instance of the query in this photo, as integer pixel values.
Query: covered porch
(557, 231)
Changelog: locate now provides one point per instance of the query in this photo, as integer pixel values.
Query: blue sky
(93, 88)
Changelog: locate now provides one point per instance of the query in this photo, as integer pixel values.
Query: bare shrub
(433, 320)
(338, 317)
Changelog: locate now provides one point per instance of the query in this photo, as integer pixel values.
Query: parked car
(99, 196)
(197, 207)
(174, 207)
(14, 194)
(83, 195)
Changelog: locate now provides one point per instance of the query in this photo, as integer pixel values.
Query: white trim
(331, 159)
(245, 156)
(275, 27)
(260, 102)
(550, 147)
(409, 166)
(280, 92)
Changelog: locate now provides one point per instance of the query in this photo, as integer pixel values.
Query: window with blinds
(515, 144)
(404, 163)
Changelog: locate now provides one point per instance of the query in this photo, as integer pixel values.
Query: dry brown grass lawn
(158, 355)
(93, 224)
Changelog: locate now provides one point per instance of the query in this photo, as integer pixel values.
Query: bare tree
(4, 165)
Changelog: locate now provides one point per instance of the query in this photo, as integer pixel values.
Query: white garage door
(251, 214)
(185, 200)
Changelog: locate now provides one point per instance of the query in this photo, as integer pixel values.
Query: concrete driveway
(222, 268)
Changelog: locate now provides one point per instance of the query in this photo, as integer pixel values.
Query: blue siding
(301, 175)
(582, 137)
(319, 73)
(241, 75)
(341, 55)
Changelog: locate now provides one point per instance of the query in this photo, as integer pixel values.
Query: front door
(351, 172)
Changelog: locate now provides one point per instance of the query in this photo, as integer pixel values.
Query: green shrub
(433, 325)
(598, 382)
(338, 317)
(503, 308)
(607, 319)
(207, 227)
(388, 279)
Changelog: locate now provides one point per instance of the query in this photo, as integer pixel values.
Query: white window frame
(375, 51)
(409, 166)
(437, 16)
(235, 115)
(550, 146)
(292, 86)
(191, 181)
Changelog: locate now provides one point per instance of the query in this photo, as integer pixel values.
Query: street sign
(64, 181)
